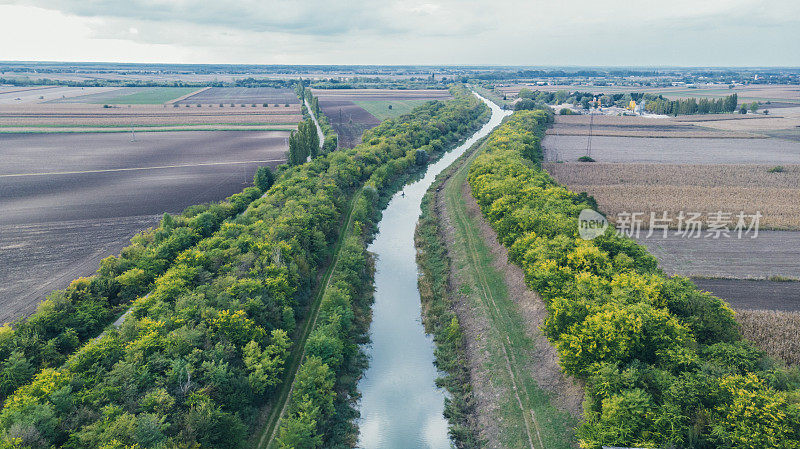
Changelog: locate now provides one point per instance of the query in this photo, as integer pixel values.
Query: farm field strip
(772, 253)
(111, 170)
(747, 294)
(704, 176)
(673, 150)
(242, 95)
(775, 331)
(37, 258)
(382, 94)
(64, 116)
(145, 128)
(350, 119)
(650, 127)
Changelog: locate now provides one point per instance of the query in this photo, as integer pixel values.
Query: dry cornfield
(704, 189)
(776, 332)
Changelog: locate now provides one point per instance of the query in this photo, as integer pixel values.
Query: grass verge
(528, 417)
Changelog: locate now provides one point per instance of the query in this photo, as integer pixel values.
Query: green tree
(299, 430)
(731, 101)
(264, 178)
(15, 372)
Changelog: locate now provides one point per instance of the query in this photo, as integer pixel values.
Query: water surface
(401, 407)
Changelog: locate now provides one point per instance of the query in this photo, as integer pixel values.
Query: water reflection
(401, 407)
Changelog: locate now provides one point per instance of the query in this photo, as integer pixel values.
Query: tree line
(663, 363)
(201, 353)
(303, 143)
(653, 103)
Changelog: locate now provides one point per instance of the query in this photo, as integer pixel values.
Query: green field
(150, 95)
(380, 108)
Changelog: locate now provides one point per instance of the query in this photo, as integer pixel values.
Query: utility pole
(589, 140)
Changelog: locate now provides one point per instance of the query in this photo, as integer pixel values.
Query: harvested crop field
(350, 119)
(673, 150)
(745, 294)
(673, 188)
(55, 117)
(56, 190)
(776, 332)
(242, 95)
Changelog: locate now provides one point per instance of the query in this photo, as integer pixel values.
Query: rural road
(316, 123)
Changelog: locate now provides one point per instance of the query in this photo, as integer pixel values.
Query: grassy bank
(529, 417)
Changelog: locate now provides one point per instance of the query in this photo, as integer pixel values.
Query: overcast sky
(508, 32)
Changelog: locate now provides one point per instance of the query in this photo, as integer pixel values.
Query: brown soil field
(745, 294)
(84, 115)
(37, 258)
(242, 95)
(350, 120)
(69, 200)
(772, 253)
(674, 150)
(691, 188)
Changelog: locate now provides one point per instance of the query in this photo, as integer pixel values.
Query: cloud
(307, 17)
(520, 32)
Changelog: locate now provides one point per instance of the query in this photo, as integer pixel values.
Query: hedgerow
(197, 356)
(663, 363)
